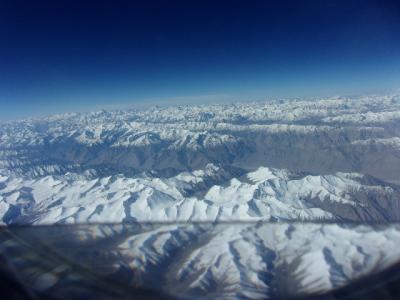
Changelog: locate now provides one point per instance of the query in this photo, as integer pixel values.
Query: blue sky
(58, 56)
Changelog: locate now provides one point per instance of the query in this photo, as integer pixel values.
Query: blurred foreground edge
(86, 285)
(385, 285)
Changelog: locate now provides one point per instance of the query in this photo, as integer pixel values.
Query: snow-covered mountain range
(311, 167)
(320, 136)
(212, 194)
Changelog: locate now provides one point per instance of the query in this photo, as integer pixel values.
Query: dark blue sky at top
(58, 56)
